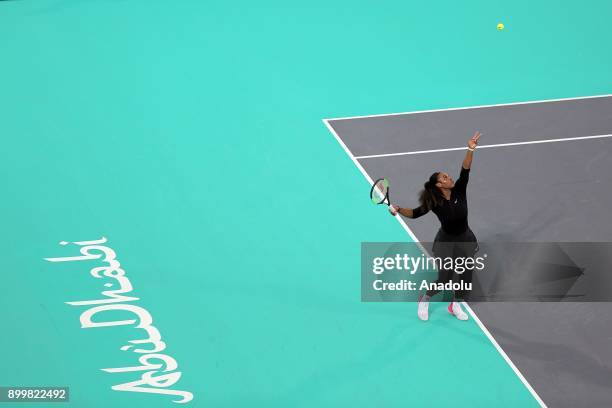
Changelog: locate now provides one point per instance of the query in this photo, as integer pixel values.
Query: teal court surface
(179, 226)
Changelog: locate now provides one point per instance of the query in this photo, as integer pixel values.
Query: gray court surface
(536, 192)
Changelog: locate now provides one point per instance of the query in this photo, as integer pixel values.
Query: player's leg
(461, 294)
(463, 249)
(444, 275)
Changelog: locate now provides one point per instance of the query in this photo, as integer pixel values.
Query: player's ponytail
(430, 195)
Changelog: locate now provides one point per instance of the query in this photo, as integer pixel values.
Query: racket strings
(380, 191)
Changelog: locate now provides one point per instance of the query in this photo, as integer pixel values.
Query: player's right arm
(408, 212)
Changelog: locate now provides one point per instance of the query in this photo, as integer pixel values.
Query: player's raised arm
(472, 143)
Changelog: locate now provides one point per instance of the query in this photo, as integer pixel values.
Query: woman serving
(448, 200)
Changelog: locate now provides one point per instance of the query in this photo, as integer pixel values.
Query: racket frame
(386, 197)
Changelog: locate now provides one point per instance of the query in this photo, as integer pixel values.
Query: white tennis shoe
(455, 309)
(423, 310)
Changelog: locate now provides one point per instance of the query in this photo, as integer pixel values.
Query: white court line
(566, 139)
(471, 107)
(469, 309)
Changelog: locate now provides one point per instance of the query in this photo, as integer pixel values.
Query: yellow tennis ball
(500, 26)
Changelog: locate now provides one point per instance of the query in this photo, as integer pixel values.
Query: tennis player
(448, 200)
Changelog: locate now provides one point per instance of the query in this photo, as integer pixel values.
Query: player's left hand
(473, 142)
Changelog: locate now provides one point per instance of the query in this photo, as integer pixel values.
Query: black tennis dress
(455, 238)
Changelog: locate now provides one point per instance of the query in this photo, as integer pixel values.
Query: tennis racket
(379, 194)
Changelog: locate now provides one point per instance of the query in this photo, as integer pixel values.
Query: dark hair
(430, 196)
